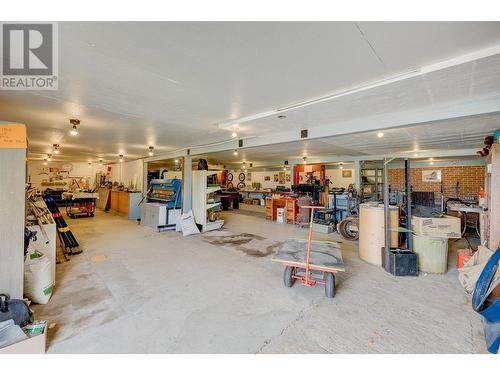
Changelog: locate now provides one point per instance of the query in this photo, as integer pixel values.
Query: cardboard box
(33, 345)
(443, 227)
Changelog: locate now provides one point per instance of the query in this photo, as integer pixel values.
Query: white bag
(38, 277)
(188, 225)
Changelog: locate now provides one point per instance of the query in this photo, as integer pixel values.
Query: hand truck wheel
(288, 276)
(329, 284)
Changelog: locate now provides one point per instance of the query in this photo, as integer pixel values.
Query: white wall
(37, 172)
(335, 176)
(258, 176)
(128, 173)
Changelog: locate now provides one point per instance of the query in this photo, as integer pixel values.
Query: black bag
(15, 309)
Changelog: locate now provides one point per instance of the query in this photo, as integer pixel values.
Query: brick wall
(471, 179)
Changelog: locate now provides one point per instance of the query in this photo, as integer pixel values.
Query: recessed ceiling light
(176, 161)
(380, 134)
(74, 122)
(100, 161)
(234, 134)
(90, 164)
(431, 163)
(305, 159)
(45, 161)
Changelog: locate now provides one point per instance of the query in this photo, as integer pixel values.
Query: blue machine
(168, 191)
(491, 312)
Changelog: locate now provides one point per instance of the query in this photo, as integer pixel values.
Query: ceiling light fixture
(121, 158)
(151, 148)
(74, 122)
(234, 134)
(49, 157)
(235, 152)
(176, 161)
(45, 161)
(100, 161)
(90, 164)
(55, 148)
(380, 134)
(431, 163)
(305, 159)
(415, 154)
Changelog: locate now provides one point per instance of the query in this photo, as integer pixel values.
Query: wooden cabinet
(126, 204)
(290, 206)
(291, 211)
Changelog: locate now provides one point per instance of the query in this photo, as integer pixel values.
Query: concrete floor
(162, 293)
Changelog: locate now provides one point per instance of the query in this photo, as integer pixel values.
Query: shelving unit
(201, 203)
(372, 179)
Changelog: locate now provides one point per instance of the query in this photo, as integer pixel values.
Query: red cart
(311, 262)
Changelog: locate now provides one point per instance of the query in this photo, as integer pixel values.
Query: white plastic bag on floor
(188, 225)
(38, 277)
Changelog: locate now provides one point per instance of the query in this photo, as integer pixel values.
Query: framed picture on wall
(267, 178)
(346, 173)
(287, 177)
(276, 178)
(281, 178)
(431, 175)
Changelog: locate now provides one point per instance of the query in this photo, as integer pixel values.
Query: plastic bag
(188, 225)
(38, 277)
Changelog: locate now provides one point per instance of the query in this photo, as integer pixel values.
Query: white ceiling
(169, 84)
(456, 134)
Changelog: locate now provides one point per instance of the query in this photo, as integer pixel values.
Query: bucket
(280, 215)
(432, 253)
(463, 255)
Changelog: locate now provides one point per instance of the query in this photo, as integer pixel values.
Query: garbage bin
(432, 253)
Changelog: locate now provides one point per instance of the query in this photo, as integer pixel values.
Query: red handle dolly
(318, 266)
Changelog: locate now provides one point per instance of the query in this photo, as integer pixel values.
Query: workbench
(464, 210)
(80, 203)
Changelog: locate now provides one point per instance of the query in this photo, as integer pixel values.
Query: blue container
(491, 313)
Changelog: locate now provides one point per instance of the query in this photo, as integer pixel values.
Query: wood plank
(325, 256)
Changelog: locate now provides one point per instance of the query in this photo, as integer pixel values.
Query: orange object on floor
(463, 255)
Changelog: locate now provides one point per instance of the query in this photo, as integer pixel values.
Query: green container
(432, 253)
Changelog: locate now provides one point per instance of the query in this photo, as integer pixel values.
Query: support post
(386, 206)
(357, 176)
(409, 243)
(187, 176)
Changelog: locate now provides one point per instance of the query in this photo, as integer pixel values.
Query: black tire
(329, 284)
(288, 276)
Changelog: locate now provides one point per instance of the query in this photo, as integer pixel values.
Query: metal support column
(187, 176)
(409, 243)
(386, 206)
(357, 176)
